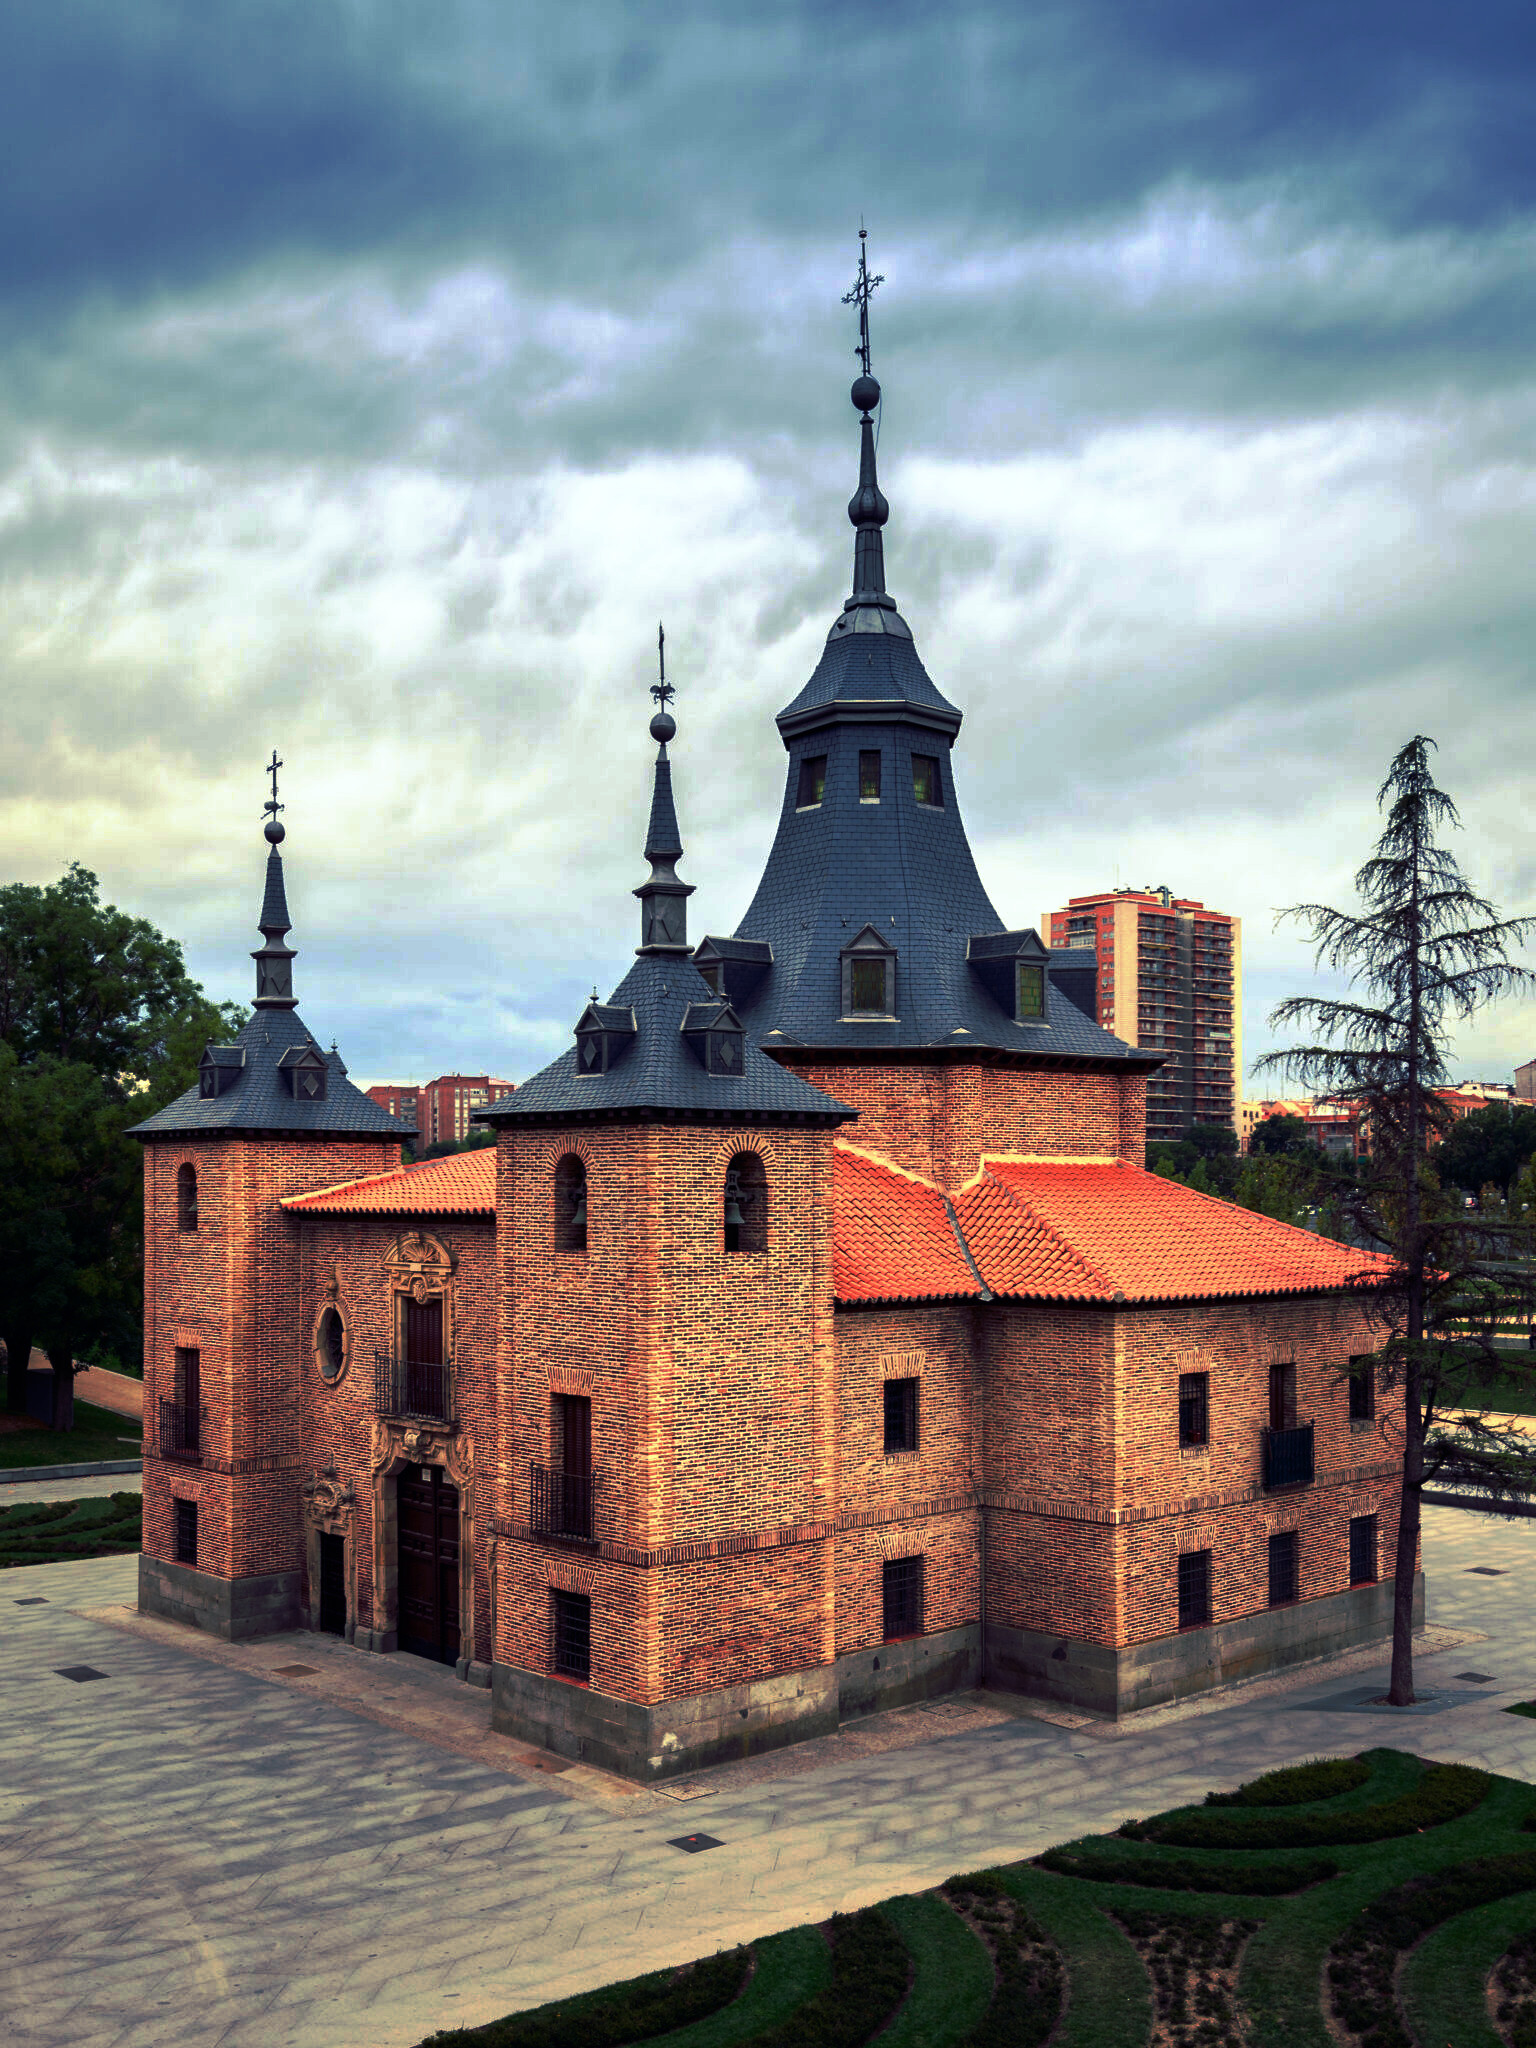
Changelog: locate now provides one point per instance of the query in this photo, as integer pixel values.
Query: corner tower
(871, 959)
(271, 1114)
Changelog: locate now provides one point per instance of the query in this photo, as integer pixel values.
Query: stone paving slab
(313, 1871)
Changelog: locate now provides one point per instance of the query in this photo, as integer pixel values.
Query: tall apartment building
(1170, 980)
(447, 1102)
(395, 1100)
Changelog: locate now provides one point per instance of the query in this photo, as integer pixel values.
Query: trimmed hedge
(48, 1532)
(1186, 1956)
(871, 1971)
(1250, 1880)
(1325, 1777)
(1026, 2003)
(656, 2004)
(1363, 1961)
(1444, 1793)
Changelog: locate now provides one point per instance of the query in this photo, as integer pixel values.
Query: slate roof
(660, 1074)
(463, 1184)
(260, 1101)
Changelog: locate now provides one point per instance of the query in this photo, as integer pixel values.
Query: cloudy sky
(372, 377)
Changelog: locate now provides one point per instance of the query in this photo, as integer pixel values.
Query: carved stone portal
(395, 1445)
(330, 1506)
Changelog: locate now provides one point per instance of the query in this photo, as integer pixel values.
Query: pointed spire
(663, 898)
(274, 970)
(867, 508)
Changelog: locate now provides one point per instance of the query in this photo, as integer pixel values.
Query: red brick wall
(942, 1119)
(233, 1282)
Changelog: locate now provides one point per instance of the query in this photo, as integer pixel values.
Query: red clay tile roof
(463, 1184)
(892, 1239)
(1112, 1232)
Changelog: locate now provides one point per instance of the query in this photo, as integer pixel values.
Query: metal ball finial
(865, 394)
(663, 727)
(275, 832)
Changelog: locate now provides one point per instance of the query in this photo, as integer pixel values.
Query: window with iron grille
(902, 1589)
(812, 786)
(1284, 1568)
(1282, 1395)
(869, 777)
(1194, 1409)
(1362, 1388)
(1195, 1589)
(570, 1618)
(186, 1531)
(901, 1415)
(1363, 1569)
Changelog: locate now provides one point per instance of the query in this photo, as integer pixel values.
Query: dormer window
(303, 1070)
(927, 784)
(1029, 992)
(219, 1069)
(813, 782)
(714, 1033)
(869, 777)
(604, 1033)
(869, 976)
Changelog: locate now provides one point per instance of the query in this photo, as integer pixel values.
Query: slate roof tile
(260, 1100)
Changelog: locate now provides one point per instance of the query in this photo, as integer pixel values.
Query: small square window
(186, 1532)
(1284, 1568)
(927, 786)
(901, 1407)
(1195, 1589)
(1029, 991)
(571, 1628)
(813, 782)
(1363, 1568)
(1194, 1409)
(866, 987)
(902, 1591)
(869, 777)
(1362, 1388)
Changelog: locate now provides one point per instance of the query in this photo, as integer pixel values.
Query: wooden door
(426, 1382)
(429, 1564)
(1282, 1396)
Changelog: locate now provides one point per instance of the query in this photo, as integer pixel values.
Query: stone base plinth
(232, 1608)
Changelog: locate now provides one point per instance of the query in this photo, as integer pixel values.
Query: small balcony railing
(563, 1504)
(412, 1389)
(1288, 1456)
(181, 1431)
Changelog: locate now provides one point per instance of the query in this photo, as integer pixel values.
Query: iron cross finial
(662, 691)
(272, 806)
(863, 287)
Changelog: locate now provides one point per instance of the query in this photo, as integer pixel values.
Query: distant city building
(447, 1103)
(1525, 1081)
(395, 1100)
(1170, 980)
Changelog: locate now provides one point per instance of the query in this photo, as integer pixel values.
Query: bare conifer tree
(1424, 953)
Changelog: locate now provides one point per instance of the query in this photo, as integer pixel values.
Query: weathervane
(272, 806)
(663, 691)
(863, 286)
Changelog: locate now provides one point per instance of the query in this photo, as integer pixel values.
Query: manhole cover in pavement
(692, 1844)
(1487, 1571)
(1474, 1677)
(80, 1673)
(294, 1670)
(36, 1600)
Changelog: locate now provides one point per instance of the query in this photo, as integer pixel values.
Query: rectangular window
(189, 1379)
(186, 1531)
(902, 1589)
(1282, 1396)
(570, 1619)
(866, 987)
(926, 786)
(869, 777)
(1363, 1570)
(1362, 1388)
(1284, 1568)
(1029, 991)
(1194, 1409)
(901, 1415)
(1195, 1589)
(813, 782)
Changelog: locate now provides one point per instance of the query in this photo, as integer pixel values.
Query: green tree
(1489, 1145)
(100, 1025)
(1423, 952)
(1275, 1134)
(1214, 1141)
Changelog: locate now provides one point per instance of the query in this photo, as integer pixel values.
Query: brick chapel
(811, 1341)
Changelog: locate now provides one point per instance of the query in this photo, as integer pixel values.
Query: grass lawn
(57, 1531)
(1399, 1935)
(97, 1437)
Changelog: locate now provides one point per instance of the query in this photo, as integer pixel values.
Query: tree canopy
(1489, 1146)
(1423, 952)
(1275, 1134)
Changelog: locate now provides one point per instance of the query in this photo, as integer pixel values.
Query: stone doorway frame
(330, 1506)
(396, 1445)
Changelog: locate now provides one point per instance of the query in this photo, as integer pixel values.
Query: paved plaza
(201, 1847)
